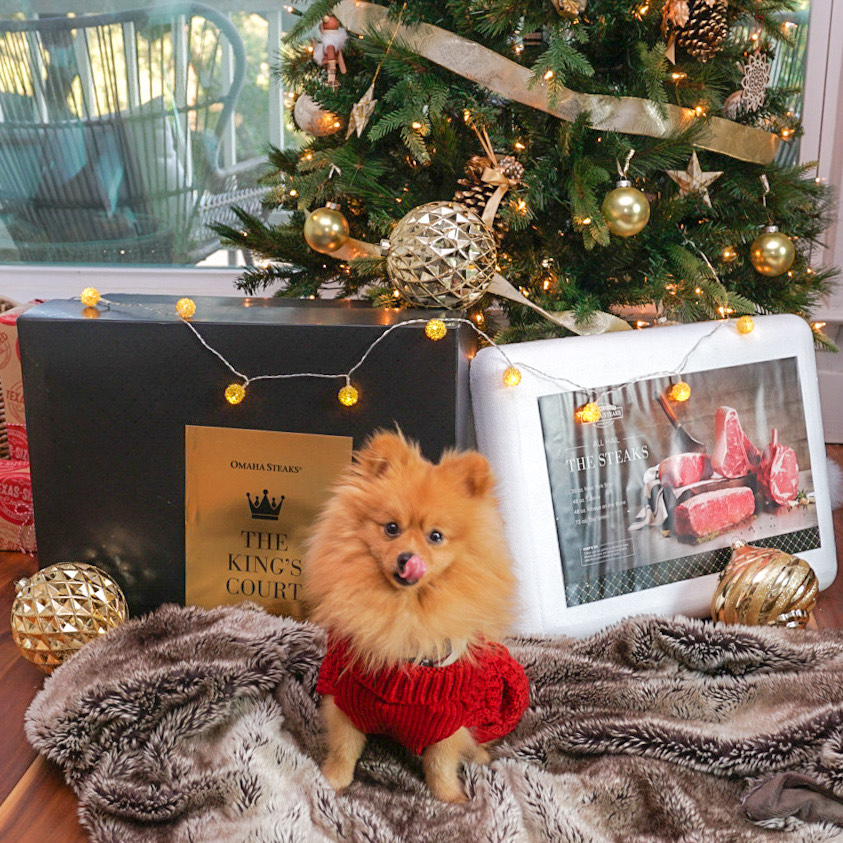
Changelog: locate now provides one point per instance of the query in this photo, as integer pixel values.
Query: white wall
(823, 142)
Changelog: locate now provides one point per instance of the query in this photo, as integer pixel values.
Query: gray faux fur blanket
(201, 725)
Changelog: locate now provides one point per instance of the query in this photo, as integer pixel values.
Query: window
(124, 134)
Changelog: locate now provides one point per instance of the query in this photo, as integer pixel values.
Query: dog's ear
(383, 451)
(474, 470)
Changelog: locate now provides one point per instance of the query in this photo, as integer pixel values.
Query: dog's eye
(435, 537)
(392, 529)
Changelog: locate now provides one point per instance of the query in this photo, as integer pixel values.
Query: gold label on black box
(250, 498)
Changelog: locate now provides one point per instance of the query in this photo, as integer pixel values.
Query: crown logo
(266, 510)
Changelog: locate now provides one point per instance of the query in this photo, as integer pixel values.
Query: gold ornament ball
(764, 586)
(90, 296)
(441, 255)
(310, 117)
(63, 607)
(746, 325)
(511, 376)
(626, 210)
(326, 230)
(772, 253)
(185, 308)
(348, 395)
(435, 329)
(680, 391)
(235, 393)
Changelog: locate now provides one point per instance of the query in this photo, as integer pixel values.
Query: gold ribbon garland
(600, 322)
(632, 115)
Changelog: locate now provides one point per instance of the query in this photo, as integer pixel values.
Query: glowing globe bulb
(435, 329)
(348, 395)
(90, 296)
(680, 391)
(746, 324)
(590, 413)
(185, 308)
(729, 254)
(511, 376)
(235, 393)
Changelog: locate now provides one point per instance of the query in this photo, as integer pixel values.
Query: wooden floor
(35, 804)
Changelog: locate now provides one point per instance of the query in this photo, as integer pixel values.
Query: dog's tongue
(414, 569)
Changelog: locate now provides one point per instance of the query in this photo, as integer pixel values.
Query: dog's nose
(402, 560)
(409, 568)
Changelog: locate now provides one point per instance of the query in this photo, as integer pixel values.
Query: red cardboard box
(18, 447)
(11, 380)
(17, 530)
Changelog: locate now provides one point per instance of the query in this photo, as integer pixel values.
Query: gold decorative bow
(493, 175)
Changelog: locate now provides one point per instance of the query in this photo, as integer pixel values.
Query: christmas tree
(635, 152)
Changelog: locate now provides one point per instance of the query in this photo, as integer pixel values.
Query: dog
(408, 570)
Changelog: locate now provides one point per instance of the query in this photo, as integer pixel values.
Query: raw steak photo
(711, 513)
(778, 475)
(733, 452)
(684, 469)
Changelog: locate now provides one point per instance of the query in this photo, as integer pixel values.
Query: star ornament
(361, 112)
(694, 180)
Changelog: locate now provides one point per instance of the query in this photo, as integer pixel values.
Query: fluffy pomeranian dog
(408, 570)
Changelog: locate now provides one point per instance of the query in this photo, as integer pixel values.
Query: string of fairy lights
(435, 329)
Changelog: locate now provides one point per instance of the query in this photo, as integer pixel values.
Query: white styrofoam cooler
(509, 432)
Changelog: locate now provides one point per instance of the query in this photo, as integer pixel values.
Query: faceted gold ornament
(764, 586)
(772, 253)
(63, 607)
(441, 255)
(626, 209)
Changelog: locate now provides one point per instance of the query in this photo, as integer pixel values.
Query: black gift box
(110, 390)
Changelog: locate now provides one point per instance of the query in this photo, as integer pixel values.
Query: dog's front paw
(448, 792)
(337, 773)
(480, 755)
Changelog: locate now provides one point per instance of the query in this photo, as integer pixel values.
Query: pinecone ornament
(706, 28)
(476, 193)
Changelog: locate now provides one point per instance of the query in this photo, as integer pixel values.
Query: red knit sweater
(419, 706)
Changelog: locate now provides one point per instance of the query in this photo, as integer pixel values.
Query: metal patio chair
(112, 131)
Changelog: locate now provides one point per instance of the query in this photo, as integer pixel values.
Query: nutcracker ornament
(327, 52)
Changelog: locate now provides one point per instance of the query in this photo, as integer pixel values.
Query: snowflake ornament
(756, 77)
